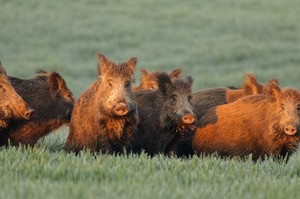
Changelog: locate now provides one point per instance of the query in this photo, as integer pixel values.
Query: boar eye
(189, 98)
(2, 87)
(69, 95)
(127, 84)
(109, 83)
(298, 107)
(282, 106)
(153, 86)
(174, 98)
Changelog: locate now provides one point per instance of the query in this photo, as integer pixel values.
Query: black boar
(164, 114)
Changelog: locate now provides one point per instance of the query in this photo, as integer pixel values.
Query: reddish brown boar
(148, 80)
(166, 116)
(261, 125)
(11, 104)
(204, 100)
(48, 94)
(105, 115)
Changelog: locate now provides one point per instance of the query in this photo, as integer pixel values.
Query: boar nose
(28, 114)
(290, 130)
(121, 109)
(188, 119)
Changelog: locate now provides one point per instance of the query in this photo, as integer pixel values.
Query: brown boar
(11, 104)
(48, 94)
(261, 125)
(165, 115)
(148, 80)
(204, 100)
(105, 115)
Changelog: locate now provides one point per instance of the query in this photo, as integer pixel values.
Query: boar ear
(41, 72)
(189, 80)
(250, 84)
(164, 82)
(102, 63)
(144, 73)
(275, 81)
(273, 91)
(175, 73)
(131, 63)
(56, 82)
(2, 70)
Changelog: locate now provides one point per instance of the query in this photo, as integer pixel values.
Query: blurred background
(215, 41)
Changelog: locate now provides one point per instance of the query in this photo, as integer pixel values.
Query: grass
(214, 41)
(40, 173)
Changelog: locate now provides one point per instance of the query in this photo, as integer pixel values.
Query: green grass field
(215, 41)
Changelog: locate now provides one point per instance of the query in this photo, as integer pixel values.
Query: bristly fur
(251, 125)
(52, 101)
(148, 80)
(204, 100)
(94, 124)
(160, 112)
(11, 104)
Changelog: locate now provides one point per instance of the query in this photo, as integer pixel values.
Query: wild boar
(105, 115)
(48, 94)
(166, 116)
(261, 125)
(148, 80)
(11, 104)
(204, 100)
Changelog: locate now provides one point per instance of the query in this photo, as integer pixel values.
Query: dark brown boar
(11, 104)
(204, 100)
(105, 115)
(48, 94)
(166, 116)
(261, 125)
(148, 80)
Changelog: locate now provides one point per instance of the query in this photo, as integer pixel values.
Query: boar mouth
(6, 112)
(69, 114)
(298, 131)
(3, 124)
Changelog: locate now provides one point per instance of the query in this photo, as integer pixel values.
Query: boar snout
(290, 130)
(188, 119)
(121, 109)
(28, 114)
(69, 111)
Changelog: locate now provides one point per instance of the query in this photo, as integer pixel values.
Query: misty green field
(214, 41)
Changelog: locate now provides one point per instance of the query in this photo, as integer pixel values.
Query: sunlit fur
(11, 104)
(149, 79)
(204, 100)
(94, 124)
(52, 101)
(252, 125)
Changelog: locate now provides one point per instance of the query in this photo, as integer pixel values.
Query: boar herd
(160, 116)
